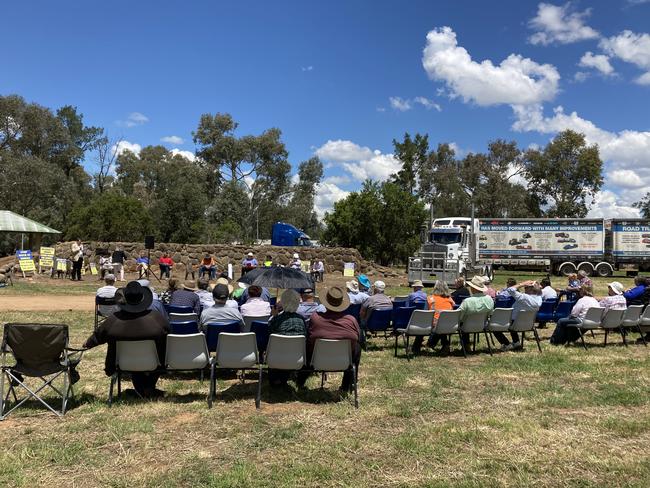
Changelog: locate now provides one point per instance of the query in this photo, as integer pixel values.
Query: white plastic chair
(448, 323)
(249, 319)
(632, 320)
(474, 324)
(592, 321)
(612, 320)
(183, 317)
(186, 352)
(235, 351)
(133, 357)
(284, 352)
(525, 322)
(334, 355)
(420, 324)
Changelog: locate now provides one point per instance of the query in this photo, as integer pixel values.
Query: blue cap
(364, 281)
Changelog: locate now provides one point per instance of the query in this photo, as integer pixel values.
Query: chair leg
(66, 391)
(473, 342)
(322, 380)
(487, 339)
(623, 336)
(523, 337)
(396, 338)
(582, 338)
(593, 336)
(606, 334)
(259, 388)
(119, 384)
(462, 344)
(406, 339)
(110, 390)
(539, 346)
(354, 378)
(642, 338)
(211, 395)
(2, 395)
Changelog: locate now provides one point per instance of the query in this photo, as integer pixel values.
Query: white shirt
(357, 297)
(255, 307)
(580, 308)
(524, 302)
(548, 293)
(107, 291)
(206, 298)
(232, 303)
(295, 264)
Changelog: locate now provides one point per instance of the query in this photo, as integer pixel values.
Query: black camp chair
(40, 351)
(104, 308)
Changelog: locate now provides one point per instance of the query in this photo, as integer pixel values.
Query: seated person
(295, 262)
(109, 289)
(334, 324)
(477, 302)
(548, 292)
(248, 263)
(288, 322)
(230, 303)
(219, 313)
(376, 301)
(317, 270)
(635, 294)
(364, 284)
(614, 299)
(439, 300)
(529, 300)
(307, 304)
(156, 304)
(205, 296)
(489, 291)
(166, 264)
(105, 266)
(510, 282)
(184, 296)
(460, 292)
(133, 322)
(243, 298)
(255, 306)
(563, 333)
(142, 264)
(209, 266)
(418, 294)
(356, 296)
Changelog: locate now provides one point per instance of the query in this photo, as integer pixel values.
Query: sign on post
(305, 266)
(26, 262)
(46, 259)
(61, 265)
(348, 269)
(93, 269)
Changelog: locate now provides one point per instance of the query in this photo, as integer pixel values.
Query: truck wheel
(586, 267)
(566, 269)
(604, 270)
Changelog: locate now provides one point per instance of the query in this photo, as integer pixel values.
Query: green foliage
(300, 211)
(565, 175)
(382, 221)
(110, 217)
(644, 206)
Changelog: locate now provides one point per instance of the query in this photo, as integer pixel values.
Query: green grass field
(564, 417)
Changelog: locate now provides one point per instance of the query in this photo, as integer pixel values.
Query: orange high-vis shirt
(438, 303)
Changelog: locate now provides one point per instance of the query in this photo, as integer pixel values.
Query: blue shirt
(142, 260)
(635, 292)
(418, 296)
(524, 302)
(249, 263)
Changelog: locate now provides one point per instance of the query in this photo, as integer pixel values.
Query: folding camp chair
(133, 357)
(525, 322)
(187, 352)
(379, 320)
(563, 310)
(420, 324)
(104, 308)
(545, 312)
(334, 355)
(40, 351)
(283, 352)
(185, 327)
(401, 316)
(235, 351)
(632, 320)
(261, 331)
(183, 317)
(178, 309)
(612, 320)
(355, 310)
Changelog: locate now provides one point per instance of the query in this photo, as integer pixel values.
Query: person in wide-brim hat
(478, 284)
(336, 299)
(134, 297)
(224, 281)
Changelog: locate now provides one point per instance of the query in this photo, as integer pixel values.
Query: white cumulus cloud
(133, 119)
(558, 24)
(632, 48)
(189, 155)
(400, 104)
(172, 139)
(624, 178)
(339, 151)
(606, 204)
(122, 146)
(516, 80)
(596, 61)
(427, 103)
(359, 162)
(327, 194)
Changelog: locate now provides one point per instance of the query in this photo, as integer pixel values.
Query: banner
(46, 259)
(61, 265)
(348, 269)
(24, 254)
(27, 265)
(631, 239)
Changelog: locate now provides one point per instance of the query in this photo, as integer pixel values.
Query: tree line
(57, 170)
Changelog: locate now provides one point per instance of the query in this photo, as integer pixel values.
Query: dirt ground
(47, 303)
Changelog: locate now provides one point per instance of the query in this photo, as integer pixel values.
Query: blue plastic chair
(186, 327)
(419, 305)
(401, 317)
(212, 331)
(545, 312)
(261, 330)
(355, 310)
(177, 309)
(379, 320)
(273, 301)
(501, 302)
(563, 310)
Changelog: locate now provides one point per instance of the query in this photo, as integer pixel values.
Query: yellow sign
(61, 265)
(46, 259)
(305, 266)
(93, 269)
(348, 269)
(27, 265)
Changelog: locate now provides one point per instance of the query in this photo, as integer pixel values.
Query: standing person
(439, 300)
(563, 333)
(133, 322)
(77, 258)
(548, 292)
(220, 313)
(529, 300)
(334, 324)
(142, 265)
(165, 263)
(461, 291)
(614, 299)
(208, 265)
(295, 262)
(248, 263)
(418, 294)
(117, 258)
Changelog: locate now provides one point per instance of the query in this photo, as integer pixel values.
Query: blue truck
(287, 235)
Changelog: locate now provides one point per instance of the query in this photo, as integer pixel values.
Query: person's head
(206, 255)
(379, 287)
(254, 291)
(364, 282)
(572, 277)
(250, 255)
(352, 286)
(639, 281)
(511, 282)
(190, 285)
(417, 285)
(290, 301)
(109, 279)
(336, 299)
(173, 284)
(118, 248)
(615, 288)
(78, 240)
(460, 282)
(165, 255)
(533, 289)
(476, 285)
(582, 274)
(441, 289)
(142, 254)
(134, 297)
(295, 255)
(307, 295)
(586, 291)
(545, 282)
(220, 293)
(202, 284)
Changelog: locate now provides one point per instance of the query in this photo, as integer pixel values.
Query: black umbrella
(278, 277)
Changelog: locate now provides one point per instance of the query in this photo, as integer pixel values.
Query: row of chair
(633, 317)
(235, 351)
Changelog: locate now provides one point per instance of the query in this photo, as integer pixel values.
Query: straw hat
(616, 287)
(189, 285)
(478, 284)
(224, 281)
(336, 299)
(417, 284)
(353, 286)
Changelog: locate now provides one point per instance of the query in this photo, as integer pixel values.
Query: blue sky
(342, 79)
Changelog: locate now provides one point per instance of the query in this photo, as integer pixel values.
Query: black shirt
(118, 257)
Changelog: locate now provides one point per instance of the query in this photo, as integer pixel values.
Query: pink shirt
(255, 307)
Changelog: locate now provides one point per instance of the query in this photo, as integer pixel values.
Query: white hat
(477, 283)
(380, 285)
(616, 287)
(243, 286)
(353, 286)
(250, 254)
(295, 256)
(417, 284)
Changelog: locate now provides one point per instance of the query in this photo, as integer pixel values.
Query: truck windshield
(304, 241)
(446, 238)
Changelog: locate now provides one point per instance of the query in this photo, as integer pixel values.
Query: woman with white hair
(288, 322)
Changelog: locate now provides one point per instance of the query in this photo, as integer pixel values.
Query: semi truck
(284, 234)
(559, 246)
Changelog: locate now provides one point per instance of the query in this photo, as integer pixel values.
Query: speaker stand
(150, 269)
